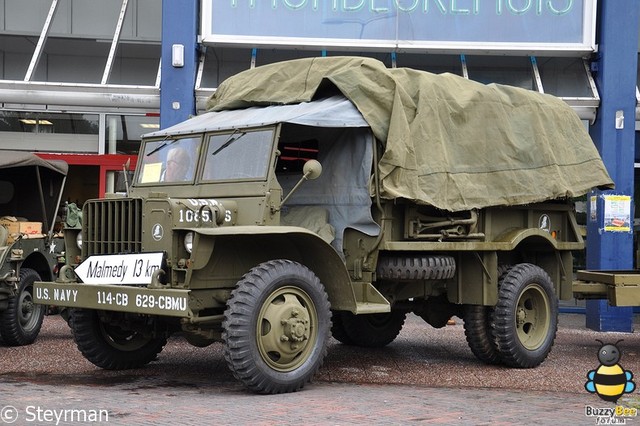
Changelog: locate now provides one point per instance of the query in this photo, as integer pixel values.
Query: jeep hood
(449, 142)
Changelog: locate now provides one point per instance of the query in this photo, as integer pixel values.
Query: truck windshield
(238, 155)
(169, 161)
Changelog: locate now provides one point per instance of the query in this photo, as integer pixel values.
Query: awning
(12, 159)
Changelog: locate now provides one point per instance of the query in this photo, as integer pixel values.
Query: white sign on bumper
(119, 269)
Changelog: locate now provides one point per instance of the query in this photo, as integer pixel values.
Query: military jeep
(334, 196)
(30, 250)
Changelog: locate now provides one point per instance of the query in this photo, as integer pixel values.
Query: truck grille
(112, 226)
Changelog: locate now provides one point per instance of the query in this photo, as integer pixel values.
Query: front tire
(20, 323)
(110, 346)
(526, 316)
(276, 327)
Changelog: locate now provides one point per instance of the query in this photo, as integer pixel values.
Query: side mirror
(312, 169)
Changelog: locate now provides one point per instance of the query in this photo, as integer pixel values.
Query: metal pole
(114, 43)
(43, 37)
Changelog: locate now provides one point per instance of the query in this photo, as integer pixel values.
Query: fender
(512, 238)
(262, 243)
(558, 264)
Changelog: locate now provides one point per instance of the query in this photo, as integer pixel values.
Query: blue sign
(567, 25)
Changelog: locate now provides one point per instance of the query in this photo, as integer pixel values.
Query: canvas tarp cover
(449, 142)
(335, 111)
(13, 159)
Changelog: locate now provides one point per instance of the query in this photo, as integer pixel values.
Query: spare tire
(416, 268)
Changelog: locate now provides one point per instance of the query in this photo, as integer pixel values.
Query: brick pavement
(426, 376)
(147, 402)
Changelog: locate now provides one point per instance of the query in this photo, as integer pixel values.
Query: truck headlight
(188, 242)
(79, 240)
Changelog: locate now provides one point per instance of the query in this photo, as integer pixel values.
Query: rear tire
(373, 330)
(479, 328)
(109, 346)
(20, 323)
(526, 316)
(479, 333)
(337, 329)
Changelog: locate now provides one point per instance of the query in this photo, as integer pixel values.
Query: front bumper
(120, 298)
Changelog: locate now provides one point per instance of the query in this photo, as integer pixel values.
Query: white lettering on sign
(119, 269)
(59, 295)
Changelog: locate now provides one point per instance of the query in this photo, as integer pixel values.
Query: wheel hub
(294, 328)
(532, 317)
(285, 328)
(27, 307)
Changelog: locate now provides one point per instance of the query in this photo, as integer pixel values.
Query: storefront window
(565, 77)
(124, 132)
(221, 63)
(513, 71)
(436, 64)
(41, 122)
(49, 132)
(135, 64)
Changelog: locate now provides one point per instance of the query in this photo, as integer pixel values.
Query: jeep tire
(20, 323)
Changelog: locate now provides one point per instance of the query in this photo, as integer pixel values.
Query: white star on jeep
(52, 248)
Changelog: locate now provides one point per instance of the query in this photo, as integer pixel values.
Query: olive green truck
(333, 196)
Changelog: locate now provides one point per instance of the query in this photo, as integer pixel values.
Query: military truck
(30, 194)
(333, 196)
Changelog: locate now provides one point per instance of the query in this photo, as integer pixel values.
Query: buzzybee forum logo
(609, 381)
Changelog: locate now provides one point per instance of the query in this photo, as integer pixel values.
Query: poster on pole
(617, 213)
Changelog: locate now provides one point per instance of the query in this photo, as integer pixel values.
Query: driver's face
(176, 169)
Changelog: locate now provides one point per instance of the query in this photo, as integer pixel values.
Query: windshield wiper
(167, 143)
(232, 139)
